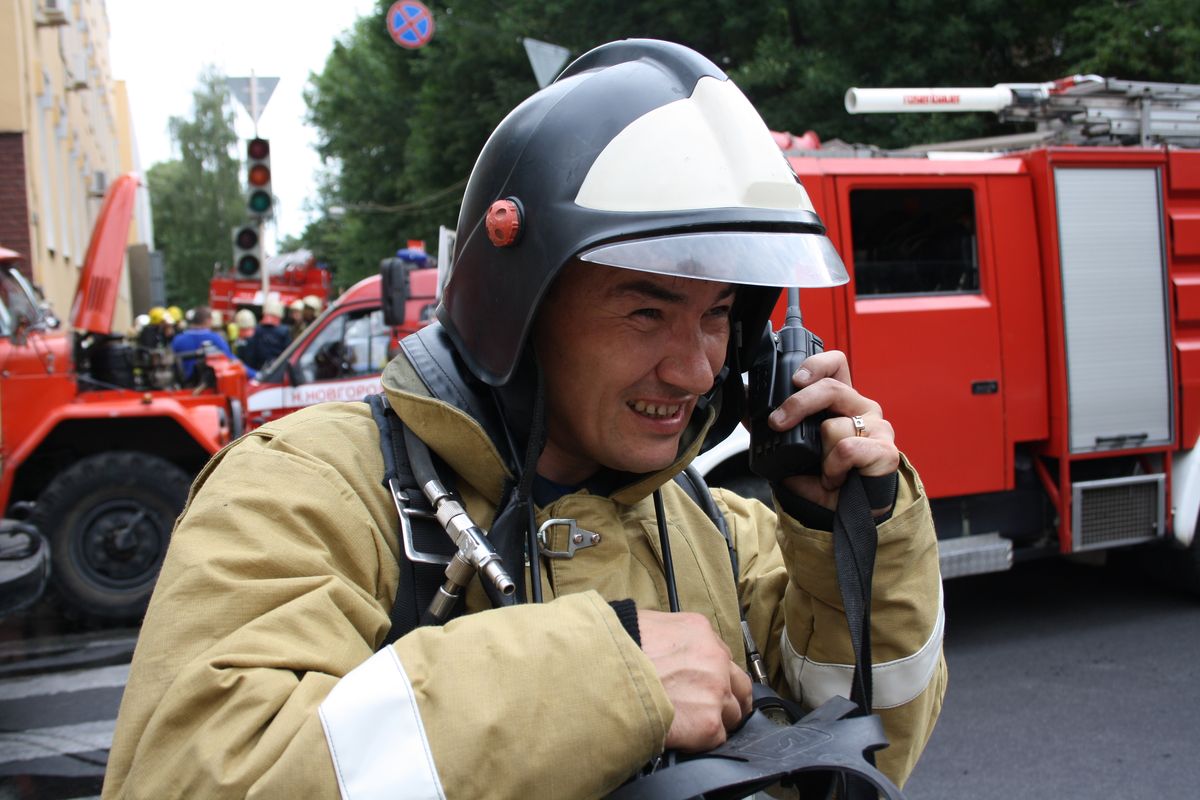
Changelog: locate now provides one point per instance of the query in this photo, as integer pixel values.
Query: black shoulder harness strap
(419, 532)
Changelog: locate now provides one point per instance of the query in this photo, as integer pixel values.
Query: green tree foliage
(400, 129)
(1152, 40)
(197, 198)
(802, 64)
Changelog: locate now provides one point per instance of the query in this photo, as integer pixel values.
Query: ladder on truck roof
(1082, 109)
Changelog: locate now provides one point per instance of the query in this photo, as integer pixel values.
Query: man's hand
(710, 693)
(824, 385)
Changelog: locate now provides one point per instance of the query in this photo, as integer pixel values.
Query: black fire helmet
(642, 155)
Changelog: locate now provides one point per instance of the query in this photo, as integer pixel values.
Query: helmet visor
(750, 258)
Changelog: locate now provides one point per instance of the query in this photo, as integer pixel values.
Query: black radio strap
(855, 539)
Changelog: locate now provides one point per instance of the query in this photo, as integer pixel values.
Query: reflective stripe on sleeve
(893, 683)
(375, 736)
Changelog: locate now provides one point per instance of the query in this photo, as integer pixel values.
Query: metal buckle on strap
(406, 531)
(577, 538)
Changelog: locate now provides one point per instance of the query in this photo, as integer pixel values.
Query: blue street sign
(410, 24)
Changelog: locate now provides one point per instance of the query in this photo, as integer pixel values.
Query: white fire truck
(1027, 310)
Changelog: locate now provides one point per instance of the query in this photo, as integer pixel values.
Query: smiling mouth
(656, 411)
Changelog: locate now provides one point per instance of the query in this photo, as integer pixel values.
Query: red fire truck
(1028, 318)
(99, 437)
(341, 355)
(291, 277)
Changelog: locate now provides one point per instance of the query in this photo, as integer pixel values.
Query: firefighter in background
(216, 321)
(230, 331)
(139, 324)
(295, 319)
(171, 322)
(312, 308)
(154, 333)
(198, 337)
(244, 325)
(604, 298)
(270, 338)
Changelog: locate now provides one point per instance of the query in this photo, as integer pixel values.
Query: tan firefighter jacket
(256, 672)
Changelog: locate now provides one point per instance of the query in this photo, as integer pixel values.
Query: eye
(648, 313)
(721, 311)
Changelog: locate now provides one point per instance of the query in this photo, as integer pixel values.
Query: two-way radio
(778, 454)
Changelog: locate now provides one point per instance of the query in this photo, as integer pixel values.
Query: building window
(914, 242)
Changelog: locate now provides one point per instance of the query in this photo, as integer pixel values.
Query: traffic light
(258, 176)
(247, 250)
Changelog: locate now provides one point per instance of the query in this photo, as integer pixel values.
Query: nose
(692, 360)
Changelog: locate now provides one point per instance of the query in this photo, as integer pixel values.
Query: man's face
(626, 355)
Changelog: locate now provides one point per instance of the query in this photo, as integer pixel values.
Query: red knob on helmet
(504, 222)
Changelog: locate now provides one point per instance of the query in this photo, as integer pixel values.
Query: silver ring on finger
(860, 427)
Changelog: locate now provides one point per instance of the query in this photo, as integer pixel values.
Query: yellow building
(65, 134)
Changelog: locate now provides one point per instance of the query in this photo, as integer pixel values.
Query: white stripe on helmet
(710, 150)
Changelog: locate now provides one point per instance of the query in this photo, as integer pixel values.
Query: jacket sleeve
(256, 673)
(789, 592)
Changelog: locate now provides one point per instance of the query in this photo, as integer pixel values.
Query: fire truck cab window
(914, 242)
(6, 327)
(18, 307)
(350, 346)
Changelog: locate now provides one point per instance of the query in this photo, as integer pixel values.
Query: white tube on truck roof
(891, 101)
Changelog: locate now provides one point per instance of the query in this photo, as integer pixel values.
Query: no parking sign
(410, 24)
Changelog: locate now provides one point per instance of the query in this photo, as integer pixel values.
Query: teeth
(653, 410)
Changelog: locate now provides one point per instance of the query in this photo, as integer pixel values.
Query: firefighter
(312, 308)
(198, 337)
(170, 325)
(177, 320)
(154, 333)
(295, 319)
(270, 337)
(244, 324)
(604, 299)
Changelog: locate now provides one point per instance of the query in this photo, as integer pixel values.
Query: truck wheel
(109, 518)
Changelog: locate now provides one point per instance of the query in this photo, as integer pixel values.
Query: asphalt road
(60, 687)
(1066, 681)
